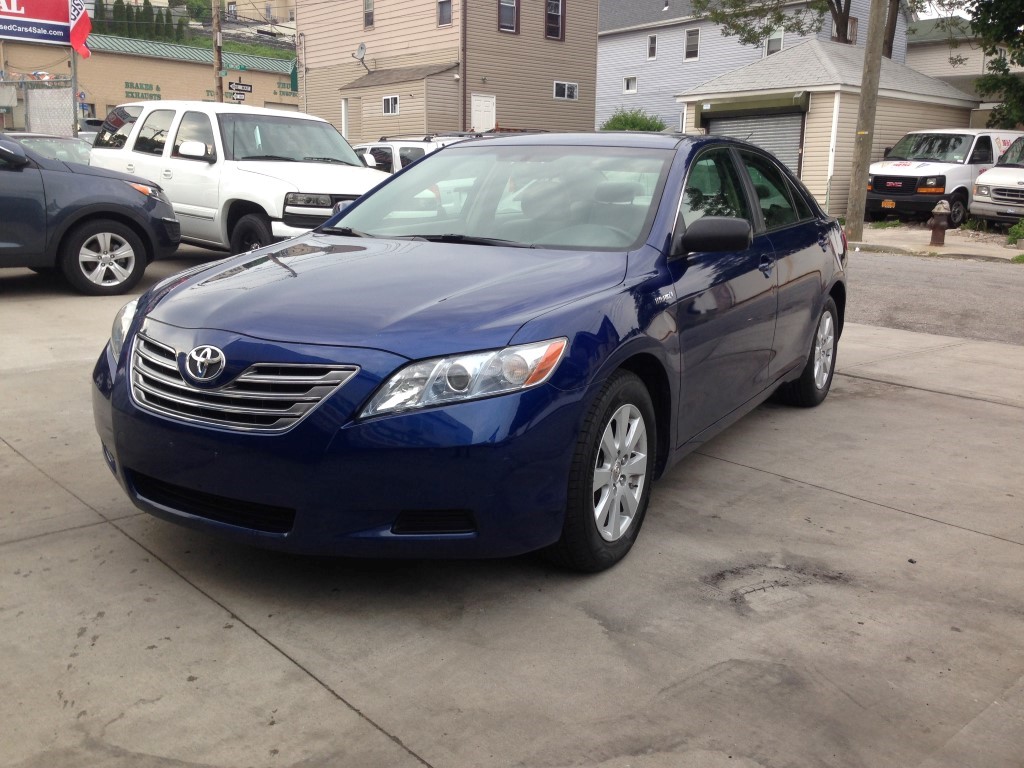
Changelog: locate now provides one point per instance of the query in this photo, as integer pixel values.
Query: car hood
(92, 170)
(325, 178)
(412, 298)
(904, 167)
(1003, 175)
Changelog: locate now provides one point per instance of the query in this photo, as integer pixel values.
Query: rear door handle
(168, 173)
(130, 168)
(767, 264)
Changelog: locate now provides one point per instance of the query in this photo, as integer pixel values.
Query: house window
(652, 46)
(692, 44)
(554, 20)
(629, 85)
(508, 16)
(367, 13)
(774, 42)
(268, 14)
(851, 29)
(444, 13)
(567, 91)
(233, 10)
(390, 105)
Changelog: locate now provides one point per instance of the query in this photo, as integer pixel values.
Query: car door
(23, 225)
(725, 302)
(146, 146)
(191, 183)
(800, 241)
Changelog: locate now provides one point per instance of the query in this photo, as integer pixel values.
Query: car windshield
(558, 196)
(57, 148)
(1014, 154)
(273, 137)
(935, 147)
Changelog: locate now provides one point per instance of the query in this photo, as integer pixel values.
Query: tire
(610, 477)
(251, 231)
(102, 258)
(812, 387)
(957, 210)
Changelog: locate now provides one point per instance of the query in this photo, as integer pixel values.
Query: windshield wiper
(330, 160)
(894, 157)
(268, 157)
(469, 240)
(346, 232)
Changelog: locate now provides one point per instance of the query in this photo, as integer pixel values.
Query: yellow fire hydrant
(939, 222)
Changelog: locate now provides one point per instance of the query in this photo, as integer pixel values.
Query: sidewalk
(915, 239)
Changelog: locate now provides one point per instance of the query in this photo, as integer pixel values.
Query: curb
(876, 248)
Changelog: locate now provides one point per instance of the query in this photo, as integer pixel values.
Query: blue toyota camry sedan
(497, 350)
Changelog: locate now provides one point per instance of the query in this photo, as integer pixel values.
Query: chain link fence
(40, 103)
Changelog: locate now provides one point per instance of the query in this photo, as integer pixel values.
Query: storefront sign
(59, 22)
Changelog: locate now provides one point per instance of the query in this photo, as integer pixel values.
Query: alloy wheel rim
(620, 472)
(106, 259)
(824, 350)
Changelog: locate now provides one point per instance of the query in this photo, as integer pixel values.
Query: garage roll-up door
(779, 134)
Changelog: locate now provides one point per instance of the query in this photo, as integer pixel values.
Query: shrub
(1015, 233)
(633, 120)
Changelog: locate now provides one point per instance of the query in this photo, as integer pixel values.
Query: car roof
(219, 107)
(638, 139)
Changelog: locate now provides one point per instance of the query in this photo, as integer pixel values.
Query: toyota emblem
(205, 363)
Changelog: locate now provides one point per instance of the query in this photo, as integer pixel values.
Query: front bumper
(902, 205)
(486, 478)
(1001, 212)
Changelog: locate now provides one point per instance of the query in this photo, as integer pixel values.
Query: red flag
(81, 26)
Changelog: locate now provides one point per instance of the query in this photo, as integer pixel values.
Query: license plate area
(888, 203)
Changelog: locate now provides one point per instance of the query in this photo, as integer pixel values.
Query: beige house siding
(817, 140)
(933, 59)
(896, 117)
(838, 191)
(411, 117)
(442, 103)
(520, 69)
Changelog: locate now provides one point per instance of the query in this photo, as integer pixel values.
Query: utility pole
(866, 120)
(218, 83)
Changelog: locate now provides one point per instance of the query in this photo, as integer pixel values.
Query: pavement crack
(960, 395)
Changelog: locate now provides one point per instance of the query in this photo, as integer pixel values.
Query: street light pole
(218, 67)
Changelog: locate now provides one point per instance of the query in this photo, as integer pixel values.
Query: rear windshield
(933, 147)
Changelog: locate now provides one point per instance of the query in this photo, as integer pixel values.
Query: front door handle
(130, 168)
(168, 173)
(767, 264)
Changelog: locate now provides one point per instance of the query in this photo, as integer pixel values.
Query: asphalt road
(950, 297)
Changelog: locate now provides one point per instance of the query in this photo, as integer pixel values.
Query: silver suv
(392, 153)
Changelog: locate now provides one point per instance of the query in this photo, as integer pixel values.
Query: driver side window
(713, 189)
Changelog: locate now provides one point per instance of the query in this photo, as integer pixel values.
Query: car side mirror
(195, 150)
(340, 206)
(886, 151)
(13, 154)
(715, 234)
(369, 160)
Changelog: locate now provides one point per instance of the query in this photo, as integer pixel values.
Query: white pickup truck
(238, 177)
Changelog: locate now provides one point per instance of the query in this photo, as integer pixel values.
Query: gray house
(647, 55)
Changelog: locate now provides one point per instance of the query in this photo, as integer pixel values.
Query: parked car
(999, 191)
(927, 166)
(89, 129)
(392, 153)
(238, 177)
(99, 228)
(487, 381)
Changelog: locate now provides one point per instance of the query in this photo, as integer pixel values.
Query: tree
(144, 21)
(632, 120)
(158, 24)
(131, 29)
(169, 33)
(997, 23)
(99, 16)
(752, 23)
(119, 25)
(181, 31)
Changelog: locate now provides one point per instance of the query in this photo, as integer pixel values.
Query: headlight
(932, 185)
(307, 201)
(981, 192)
(122, 321)
(146, 189)
(467, 377)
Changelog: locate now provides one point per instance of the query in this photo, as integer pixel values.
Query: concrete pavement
(838, 586)
(959, 243)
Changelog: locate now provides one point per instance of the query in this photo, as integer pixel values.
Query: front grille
(434, 521)
(245, 514)
(894, 185)
(1008, 194)
(266, 397)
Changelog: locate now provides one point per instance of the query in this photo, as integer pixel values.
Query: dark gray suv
(98, 228)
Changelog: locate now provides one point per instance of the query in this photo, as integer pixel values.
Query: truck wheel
(252, 231)
(957, 210)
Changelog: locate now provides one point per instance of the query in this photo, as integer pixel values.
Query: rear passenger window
(153, 134)
(409, 154)
(772, 191)
(384, 159)
(195, 126)
(115, 129)
(713, 189)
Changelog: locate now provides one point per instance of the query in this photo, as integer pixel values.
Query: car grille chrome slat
(894, 185)
(266, 397)
(1007, 195)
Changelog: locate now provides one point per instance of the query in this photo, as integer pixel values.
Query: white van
(238, 177)
(927, 166)
(999, 191)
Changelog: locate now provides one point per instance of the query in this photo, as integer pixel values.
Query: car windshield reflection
(592, 198)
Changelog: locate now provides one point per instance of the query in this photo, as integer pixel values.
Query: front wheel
(610, 477)
(103, 258)
(957, 210)
(251, 232)
(812, 387)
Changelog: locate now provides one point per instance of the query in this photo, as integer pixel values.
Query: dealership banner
(58, 22)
